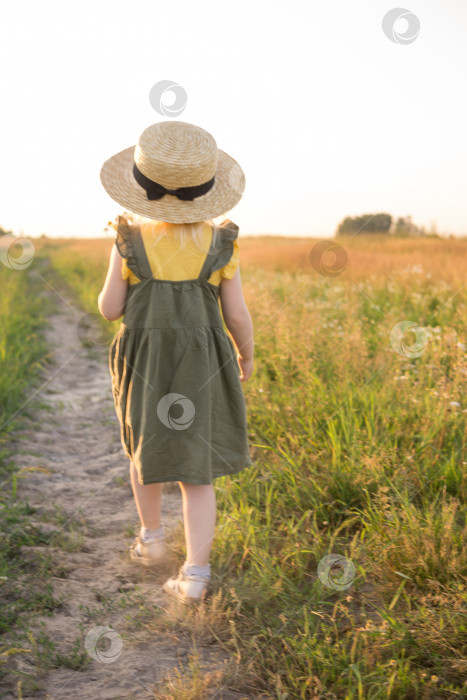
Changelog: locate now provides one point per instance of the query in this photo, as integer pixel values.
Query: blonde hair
(184, 232)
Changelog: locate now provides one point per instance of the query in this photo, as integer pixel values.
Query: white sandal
(150, 552)
(187, 589)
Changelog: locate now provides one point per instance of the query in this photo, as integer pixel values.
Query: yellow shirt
(171, 260)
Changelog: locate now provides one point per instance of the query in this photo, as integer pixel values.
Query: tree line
(381, 223)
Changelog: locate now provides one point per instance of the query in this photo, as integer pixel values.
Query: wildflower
(454, 404)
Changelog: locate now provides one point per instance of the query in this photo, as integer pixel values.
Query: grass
(22, 347)
(359, 450)
(23, 352)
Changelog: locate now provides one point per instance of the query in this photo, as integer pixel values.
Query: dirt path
(85, 490)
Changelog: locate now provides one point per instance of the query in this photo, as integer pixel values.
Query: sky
(326, 115)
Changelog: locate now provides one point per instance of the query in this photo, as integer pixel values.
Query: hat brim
(117, 178)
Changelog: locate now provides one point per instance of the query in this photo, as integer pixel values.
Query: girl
(174, 369)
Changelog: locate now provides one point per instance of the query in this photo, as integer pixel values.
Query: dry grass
(359, 449)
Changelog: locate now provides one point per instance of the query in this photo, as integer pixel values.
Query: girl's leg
(148, 501)
(199, 514)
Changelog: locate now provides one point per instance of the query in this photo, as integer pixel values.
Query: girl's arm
(111, 300)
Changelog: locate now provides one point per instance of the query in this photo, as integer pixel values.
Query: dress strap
(131, 247)
(221, 248)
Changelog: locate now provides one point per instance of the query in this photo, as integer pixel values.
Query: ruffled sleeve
(229, 229)
(230, 237)
(124, 243)
(230, 269)
(127, 273)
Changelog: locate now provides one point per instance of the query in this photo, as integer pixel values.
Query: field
(357, 429)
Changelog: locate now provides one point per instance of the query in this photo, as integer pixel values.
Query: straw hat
(202, 181)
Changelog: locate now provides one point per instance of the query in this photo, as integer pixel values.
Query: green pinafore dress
(175, 376)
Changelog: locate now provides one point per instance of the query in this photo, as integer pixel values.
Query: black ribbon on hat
(155, 191)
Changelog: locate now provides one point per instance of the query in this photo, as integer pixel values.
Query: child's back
(174, 368)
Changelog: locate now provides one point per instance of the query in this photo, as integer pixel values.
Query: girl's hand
(246, 367)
